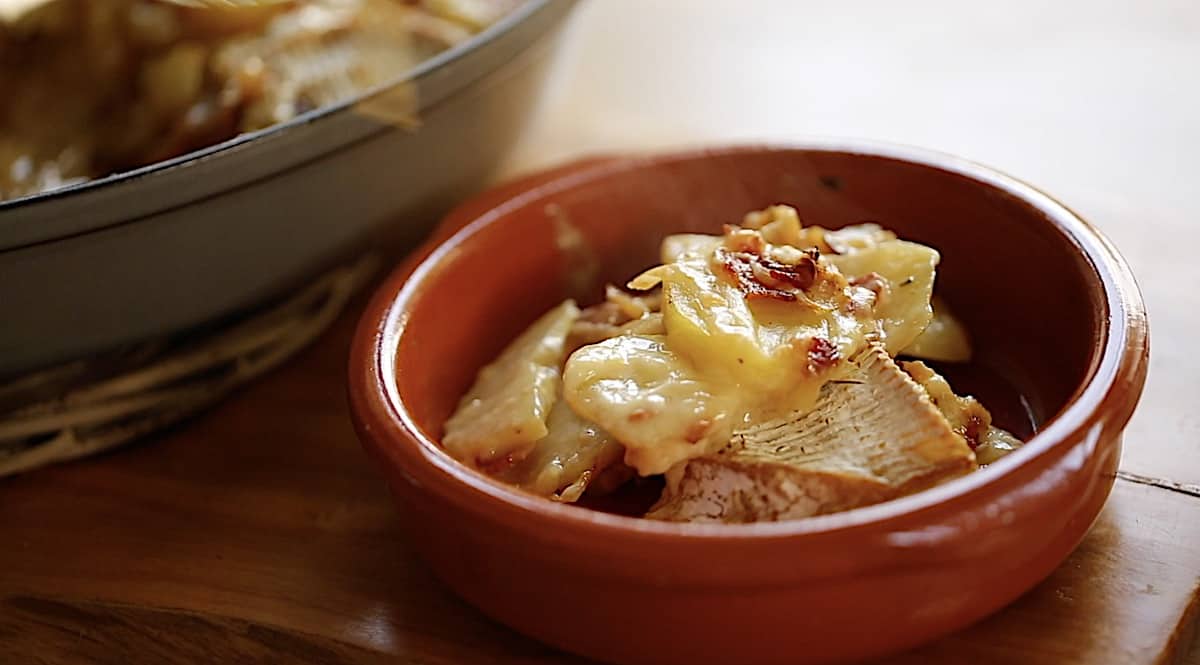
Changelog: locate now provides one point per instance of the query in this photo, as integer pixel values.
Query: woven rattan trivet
(159, 383)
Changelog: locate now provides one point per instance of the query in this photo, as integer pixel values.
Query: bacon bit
(800, 275)
(762, 277)
(871, 280)
(974, 431)
(696, 431)
(822, 354)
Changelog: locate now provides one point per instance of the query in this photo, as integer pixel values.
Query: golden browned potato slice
(504, 414)
(872, 437)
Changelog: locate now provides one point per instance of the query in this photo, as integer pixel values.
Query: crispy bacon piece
(763, 277)
(822, 354)
(976, 429)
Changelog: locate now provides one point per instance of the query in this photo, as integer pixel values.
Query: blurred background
(1086, 99)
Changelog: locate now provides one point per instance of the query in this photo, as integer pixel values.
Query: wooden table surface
(259, 533)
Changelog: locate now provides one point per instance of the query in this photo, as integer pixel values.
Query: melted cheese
(655, 403)
(758, 345)
(723, 359)
(673, 385)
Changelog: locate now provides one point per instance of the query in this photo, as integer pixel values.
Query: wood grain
(262, 511)
(82, 631)
(259, 533)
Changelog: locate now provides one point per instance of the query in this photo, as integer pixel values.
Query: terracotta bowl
(1051, 305)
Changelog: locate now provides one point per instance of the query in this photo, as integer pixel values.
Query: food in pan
(98, 87)
(754, 370)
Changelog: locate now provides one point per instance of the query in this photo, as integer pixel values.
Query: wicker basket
(93, 405)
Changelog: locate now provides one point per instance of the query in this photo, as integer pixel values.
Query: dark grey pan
(164, 248)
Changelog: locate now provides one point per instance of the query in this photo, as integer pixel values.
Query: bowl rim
(422, 69)
(1113, 385)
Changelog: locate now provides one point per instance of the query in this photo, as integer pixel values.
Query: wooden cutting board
(260, 533)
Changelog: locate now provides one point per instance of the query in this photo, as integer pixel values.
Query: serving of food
(753, 370)
(93, 88)
(622, 415)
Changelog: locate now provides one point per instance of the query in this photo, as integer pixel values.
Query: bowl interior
(1031, 300)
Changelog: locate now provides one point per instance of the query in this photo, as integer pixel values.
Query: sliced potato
(173, 81)
(505, 412)
(475, 14)
(870, 438)
(944, 339)
(903, 308)
(564, 462)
